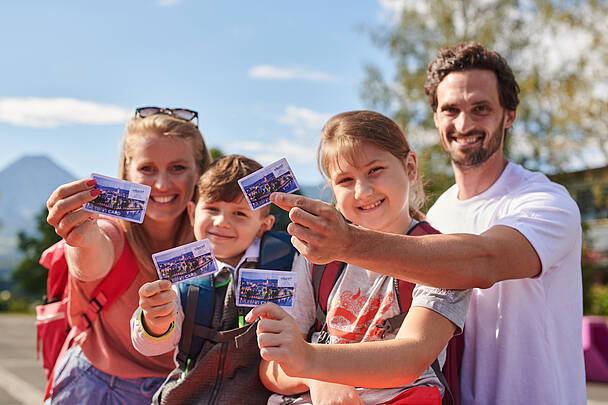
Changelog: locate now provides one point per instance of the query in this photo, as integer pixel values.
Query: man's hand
(318, 230)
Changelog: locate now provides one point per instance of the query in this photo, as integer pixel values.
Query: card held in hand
(119, 199)
(256, 287)
(185, 262)
(258, 186)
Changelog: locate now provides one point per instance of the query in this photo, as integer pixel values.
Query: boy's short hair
(220, 181)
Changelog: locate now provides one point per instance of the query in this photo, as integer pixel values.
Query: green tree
(215, 153)
(558, 51)
(30, 277)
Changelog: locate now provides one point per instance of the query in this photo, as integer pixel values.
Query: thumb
(269, 310)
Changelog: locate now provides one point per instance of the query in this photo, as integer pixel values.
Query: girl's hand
(77, 227)
(280, 340)
(319, 231)
(156, 301)
(325, 393)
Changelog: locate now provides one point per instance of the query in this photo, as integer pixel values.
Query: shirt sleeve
(451, 304)
(549, 219)
(149, 345)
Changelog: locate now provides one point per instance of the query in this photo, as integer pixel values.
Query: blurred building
(590, 190)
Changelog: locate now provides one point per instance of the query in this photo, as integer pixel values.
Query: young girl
(372, 172)
(164, 149)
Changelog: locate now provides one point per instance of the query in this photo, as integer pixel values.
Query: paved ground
(22, 379)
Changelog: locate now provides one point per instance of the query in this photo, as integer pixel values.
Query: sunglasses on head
(181, 113)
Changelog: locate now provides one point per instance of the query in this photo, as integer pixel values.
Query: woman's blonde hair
(162, 125)
(344, 133)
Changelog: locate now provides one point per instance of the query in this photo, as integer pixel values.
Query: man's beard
(483, 153)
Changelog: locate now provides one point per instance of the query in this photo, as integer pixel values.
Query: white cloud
(303, 120)
(55, 112)
(395, 8)
(269, 72)
(168, 3)
(267, 153)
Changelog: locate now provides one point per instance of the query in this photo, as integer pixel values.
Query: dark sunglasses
(181, 113)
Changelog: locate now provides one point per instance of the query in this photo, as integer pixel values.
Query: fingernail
(91, 183)
(95, 192)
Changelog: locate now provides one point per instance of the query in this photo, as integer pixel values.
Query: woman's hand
(156, 301)
(280, 340)
(76, 226)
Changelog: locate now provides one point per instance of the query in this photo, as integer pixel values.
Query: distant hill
(25, 185)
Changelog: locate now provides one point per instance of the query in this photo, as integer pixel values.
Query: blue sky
(263, 75)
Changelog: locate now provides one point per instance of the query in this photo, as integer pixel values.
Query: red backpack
(54, 334)
(324, 278)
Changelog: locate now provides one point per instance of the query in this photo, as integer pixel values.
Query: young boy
(230, 354)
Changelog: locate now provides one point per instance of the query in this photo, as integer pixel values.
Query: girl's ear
(191, 208)
(411, 166)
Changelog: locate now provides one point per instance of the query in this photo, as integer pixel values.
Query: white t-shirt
(359, 300)
(523, 337)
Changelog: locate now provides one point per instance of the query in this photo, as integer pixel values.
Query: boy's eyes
(178, 168)
(240, 214)
(375, 169)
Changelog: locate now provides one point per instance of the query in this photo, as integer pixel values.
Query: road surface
(22, 378)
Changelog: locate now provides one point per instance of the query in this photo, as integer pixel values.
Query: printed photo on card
(258, 186)
(119, 198)
(256, 287)
(185, 262)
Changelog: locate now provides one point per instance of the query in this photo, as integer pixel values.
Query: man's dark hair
(467, 56)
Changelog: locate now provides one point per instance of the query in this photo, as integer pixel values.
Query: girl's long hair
(163, 125)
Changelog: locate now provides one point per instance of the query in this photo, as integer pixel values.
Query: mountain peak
(25, 185)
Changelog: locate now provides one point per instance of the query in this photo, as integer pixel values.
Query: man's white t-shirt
(523, 337)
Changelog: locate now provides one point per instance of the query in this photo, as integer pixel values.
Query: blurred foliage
(598, 297)
(558, 51)
(29, 277)
(215, 153)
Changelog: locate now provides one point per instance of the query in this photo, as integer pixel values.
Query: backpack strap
(447, 399)
(198, 294)
(114, 284)
(324, 277)
(53, 259)
(276, 251)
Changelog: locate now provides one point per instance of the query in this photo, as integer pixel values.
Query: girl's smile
(372, 190)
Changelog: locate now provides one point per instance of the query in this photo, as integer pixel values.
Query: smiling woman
(168, 154)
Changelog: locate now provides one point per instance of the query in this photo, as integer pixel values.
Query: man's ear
(436, 119)
(267, 224)
(191, 208)
(509, 118)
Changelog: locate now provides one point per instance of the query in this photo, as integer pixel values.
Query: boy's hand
(319, 231)
(156, 301)
(280, 340)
